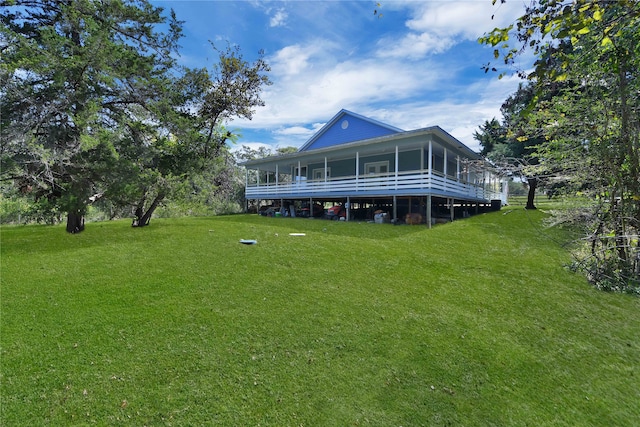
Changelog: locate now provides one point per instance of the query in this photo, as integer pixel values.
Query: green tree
(589, 53)
(72, 72)
(191, 138)
(95, 108)
(509, 144)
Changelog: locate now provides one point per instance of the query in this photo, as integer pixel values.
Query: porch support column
(451, 209)
(396, 168)
(430, 160)
(458, 168)
(299, 167)
(348, 209)
(445, 163)
(258, 177)
(277, 177)
(357, 168)
(429, 210)
(421, 166)
(325, 169)
(395, 208)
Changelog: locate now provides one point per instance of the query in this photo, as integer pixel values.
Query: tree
(72, 73)
(510, 145)
(591, 128)
(202, 102)
(94, 107)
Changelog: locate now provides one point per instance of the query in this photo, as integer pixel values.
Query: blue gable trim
(347, 127)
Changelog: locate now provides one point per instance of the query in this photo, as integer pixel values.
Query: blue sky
(418, 65)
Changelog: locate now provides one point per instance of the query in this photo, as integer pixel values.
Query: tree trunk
(533, 183)
(143, 219)
(75, 222)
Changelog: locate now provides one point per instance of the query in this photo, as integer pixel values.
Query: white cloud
(465, 19)
(294, 59)
(414, 45)
(279, 19)
(436, 27)
(310, 85)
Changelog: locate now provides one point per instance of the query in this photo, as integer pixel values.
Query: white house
(369, 166)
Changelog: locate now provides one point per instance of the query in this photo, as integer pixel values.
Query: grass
(473, 323)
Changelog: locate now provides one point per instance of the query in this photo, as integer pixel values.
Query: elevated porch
(401, 183)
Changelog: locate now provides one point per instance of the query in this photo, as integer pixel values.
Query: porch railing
(403, 183)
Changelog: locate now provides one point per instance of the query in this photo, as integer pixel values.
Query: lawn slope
(472, 323)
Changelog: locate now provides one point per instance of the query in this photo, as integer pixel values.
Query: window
(375, 168)
(317, 174)
(303, 171)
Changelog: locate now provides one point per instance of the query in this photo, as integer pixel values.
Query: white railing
(403, 183)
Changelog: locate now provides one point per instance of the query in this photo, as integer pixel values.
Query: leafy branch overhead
(548, 26)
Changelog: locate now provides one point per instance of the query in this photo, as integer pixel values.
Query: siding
(348, 129)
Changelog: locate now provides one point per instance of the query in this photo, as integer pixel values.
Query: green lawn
(473, 323)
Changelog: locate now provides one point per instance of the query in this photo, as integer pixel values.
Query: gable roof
(347, 126)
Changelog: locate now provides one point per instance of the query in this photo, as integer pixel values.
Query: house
(371, 168)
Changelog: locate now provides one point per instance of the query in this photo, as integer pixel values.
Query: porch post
(396, 168)
(395, 208)
(458, 168)
(299, 167)
(451, 209)
(325, 169)
(258, 177)
(357, 168)
(429, 210)
(348, 209)
(430, 160)
(445, 163)
(277, 177)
